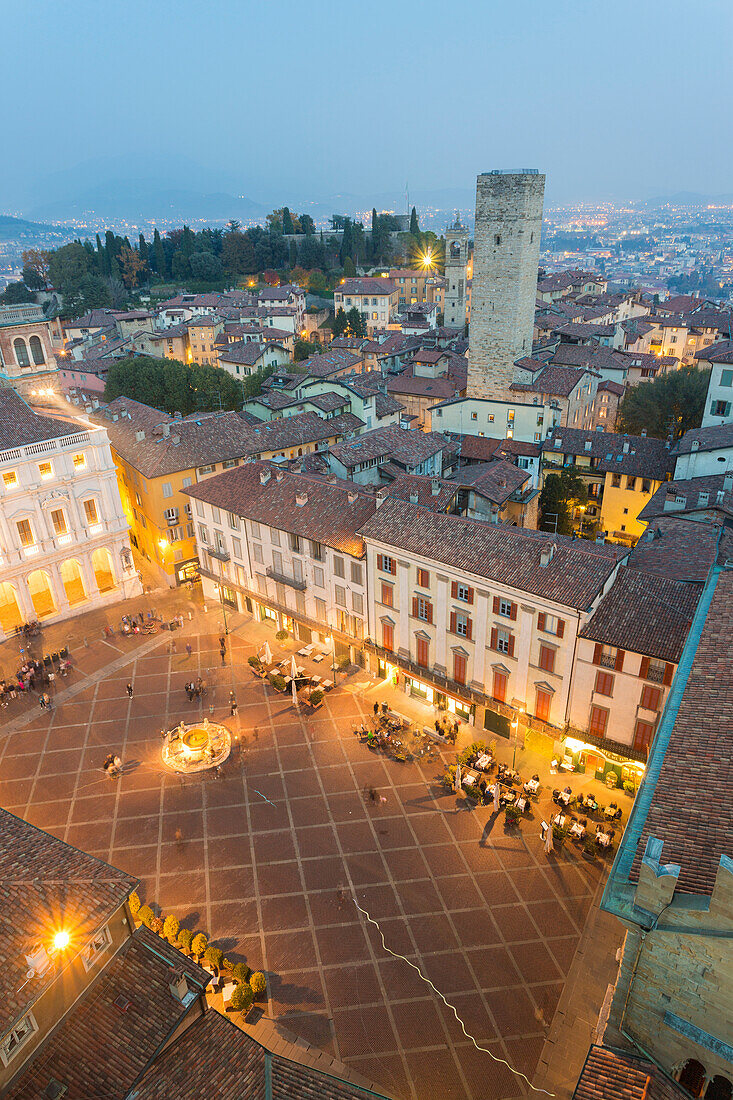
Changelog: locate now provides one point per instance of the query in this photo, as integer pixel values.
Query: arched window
(720, 1088)
(21, 352)
(692, 1076)
(37, 351)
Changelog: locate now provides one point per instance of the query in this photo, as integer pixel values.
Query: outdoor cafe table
(559, 819)
(483, 761)
(532, 786)
(603, 839)
(576, 829)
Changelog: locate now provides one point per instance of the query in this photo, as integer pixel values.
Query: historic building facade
(29, 344)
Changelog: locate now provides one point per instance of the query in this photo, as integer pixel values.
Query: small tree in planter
(241, 973)
(134, 903)
(511, 815)
(256, 665)
(448, 778)
(241, 999)
(145, 915)
(156, 925)
(171, 927)
(185, 938)
(258, 983)
(278, 682)
(199, 944)
(589, 847)
(316, 698)
(559, 833)
(628, 786)
(282, 635)
(214, 957)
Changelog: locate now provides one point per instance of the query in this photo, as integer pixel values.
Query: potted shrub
(171, 927)
(559, 833)
(278, 682)
(241, 999)
(511, 814)
(134, 903)
(199, 944)
(185, 937)
(241, 973)
(316, 698)
(258, 983)
(448, 778)
(214, 957)
(145, 915)
(282, 635)
(589, 847)
(256, 665)
(628, 786)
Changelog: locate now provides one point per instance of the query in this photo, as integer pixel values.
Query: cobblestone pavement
(274, 851)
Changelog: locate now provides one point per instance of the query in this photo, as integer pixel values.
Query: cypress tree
(293, 253)
(159, 255)
(287, 221)
(414, 227)
(143, 248)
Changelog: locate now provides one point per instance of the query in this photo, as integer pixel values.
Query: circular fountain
(197, 747)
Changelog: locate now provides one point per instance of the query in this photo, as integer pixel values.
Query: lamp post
(222, 556)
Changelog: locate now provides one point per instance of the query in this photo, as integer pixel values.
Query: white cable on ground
(485, 1050)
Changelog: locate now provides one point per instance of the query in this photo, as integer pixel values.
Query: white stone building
(64, 545)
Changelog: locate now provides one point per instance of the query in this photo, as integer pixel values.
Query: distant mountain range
(685, 198)
(19, 229)
(145, 200)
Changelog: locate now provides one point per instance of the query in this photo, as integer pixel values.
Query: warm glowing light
(163, 544)
(426, 259)
(61, 940)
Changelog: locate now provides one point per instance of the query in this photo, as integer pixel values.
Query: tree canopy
(560, 494)
(668, 406)
(173, 386)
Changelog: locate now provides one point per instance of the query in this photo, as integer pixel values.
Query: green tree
(241, 998)
(340, 323)
(561, 493)
(95, 293)
(355, 323)
(159, 253)
(171, 928)
(206, 266)
(32, 279)
(668, 406)
(238, 253)
(185, 939)
(15, 294)
(307, 225)
(349, 268)
(287, 221)
(317, 283)
(303, 348)
(346, 242)
(180, 266)
(292, 253)
(200, 943)
(414, 227)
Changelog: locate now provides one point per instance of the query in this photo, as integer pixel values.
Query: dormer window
(18, 1037)
(96, 948)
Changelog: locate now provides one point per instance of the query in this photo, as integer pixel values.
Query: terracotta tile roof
(611, 387)
(645, 613)
(405, 486)
(366, 286)
(47, 886)
(21, 425)
(99, 1051)
(574, 575)
(640, 456)
(596, 358)
(329, 362)
(408, 447)
(437, 389)
(519, 447)
(678, 548)
(722, 352)
(479, 448)
(246, 352)
(616, 1075)
(693, 494)
(330, 514)
(496, 481)
(215, 1060)
(554, 381)
(707, 439)
(691, 809)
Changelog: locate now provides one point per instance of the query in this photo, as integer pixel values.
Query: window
(295, 543)
(230, 462)
(550, 624)
(726, 378)
(338, 566)
(58, 519)
(45, 469)
(463, 592)
(80, 461)
(203, 470)
(474, 416)
(543, 703)
(10, 479)
(506, 608)
(462, 624)
(216, 514)
(318, 576)
(616, 481)
(357, 603)
(257, 553)
(237, 548)
(423, 609)
(422, 651)
(388, 637)
(357, 576)
(25, 533)
(547, 658)
(498, 688)
(643, 734)
(274, 536)
(386, 564)
(95, 948)
(200, 510)
(720, 408)
(277, 562)
(90, 511)
(459, 668)
(167, 489)
(320, 610)
(233, 521)
(423, 578)
(497, 239)
(630, 482)
(502, 641)
(598, 721)
(256, 530)
(651, 697)
(21, 352)
(388, 594)
(604, 683)
(20, 1034)
(316, 551)
(340, 595)
(186, 483)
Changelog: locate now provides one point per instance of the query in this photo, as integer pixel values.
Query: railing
(656, 675)
(281, 578)
(607, 660)
(16, 453)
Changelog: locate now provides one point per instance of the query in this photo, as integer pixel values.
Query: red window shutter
(604, 683)
(469, 629)
(422, 652)
(470, 595)
(459, 668)
(511, 645)
(454, 590)
(597, 653)
(547, 658)
(387, 636)
(452, 622)
(499, 689)
(513, 612)
(496, 605)
(668, 673)
(429, 609)
(494, 637)
(541, 620)
(644, 669)
(542, 706)
(393, 567)
(651, 697)
(380, 561)
(414, 607)
(598, 721)
(560, 628)
(643, 735)
(619, 660)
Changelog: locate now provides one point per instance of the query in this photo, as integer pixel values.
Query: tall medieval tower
(505, 261)
(456, 265)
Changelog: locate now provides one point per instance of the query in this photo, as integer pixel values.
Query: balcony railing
(281, 578)
(608, 660)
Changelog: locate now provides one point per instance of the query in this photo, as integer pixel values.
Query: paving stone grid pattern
(272, 850)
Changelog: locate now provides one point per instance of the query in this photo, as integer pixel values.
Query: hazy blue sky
(623, 99)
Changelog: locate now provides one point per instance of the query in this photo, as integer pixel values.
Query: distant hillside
(15, 229)
(133, 200)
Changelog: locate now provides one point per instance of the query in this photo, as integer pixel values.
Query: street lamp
(222, 556)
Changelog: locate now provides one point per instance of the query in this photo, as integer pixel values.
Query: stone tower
(505, 261)
(456, 264)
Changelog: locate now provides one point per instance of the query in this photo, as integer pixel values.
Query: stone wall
(505, 262)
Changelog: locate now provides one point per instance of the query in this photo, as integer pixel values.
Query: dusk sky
(277, 97)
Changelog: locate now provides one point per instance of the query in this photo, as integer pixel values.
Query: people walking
(188, 649)
(129, 690)
(232, 704)
(222, 654)
(173, 645)
(376, 709)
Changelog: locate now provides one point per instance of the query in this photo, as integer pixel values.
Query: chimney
(381, 497)
(139, 436)
(643, 433)
(413, 497)
(435, 486)
(626, 448)
(703, 498)
(547, 554)
(353, 497)
(279, 475)
(178, 416)
(695, 446)
(728, 482)
(175, 440)
(719, 496)
(264, 477)
(301, 499)
(166, 430)
(177, 984)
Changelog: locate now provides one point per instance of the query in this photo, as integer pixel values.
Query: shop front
(420, 689)
(612, 768)
(187, 571)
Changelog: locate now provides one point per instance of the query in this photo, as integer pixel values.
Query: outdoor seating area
(396, 736)
(309, 687)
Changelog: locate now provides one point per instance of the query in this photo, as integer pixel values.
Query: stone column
(441, 625)
(57, 586)
(522, 646)
(480, 619)
(23, 596)
(90, 581)
(403, 602)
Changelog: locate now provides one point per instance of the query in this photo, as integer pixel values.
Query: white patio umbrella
(268, 654)
(295, 693)
(549, 846)
(457, 780)
(293, 666)
(496, 797)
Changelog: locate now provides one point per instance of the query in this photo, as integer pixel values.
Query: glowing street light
(61, 941)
